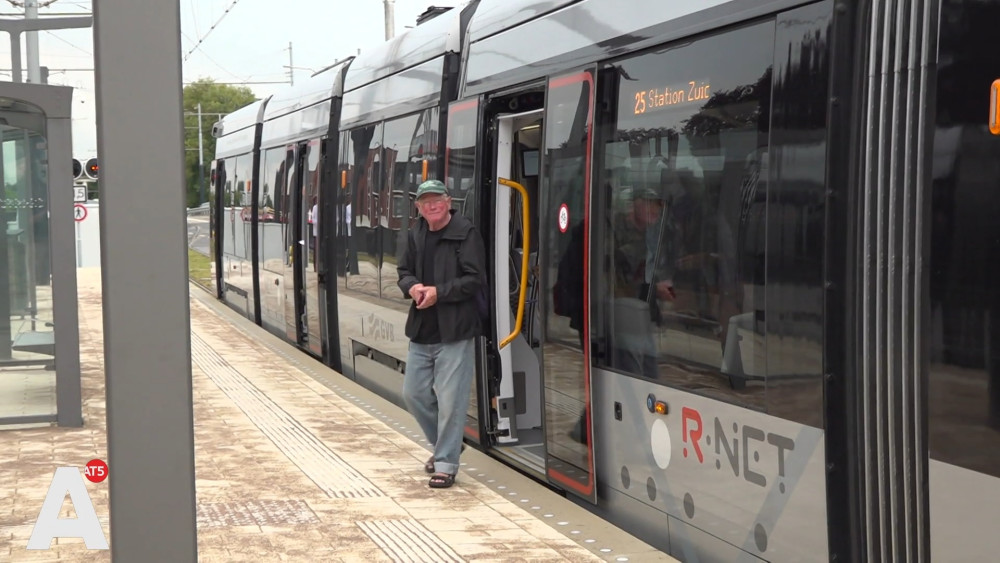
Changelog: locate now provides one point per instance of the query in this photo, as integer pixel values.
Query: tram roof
(247, 116)
(424, 42)
(503, 35)
(311, 91)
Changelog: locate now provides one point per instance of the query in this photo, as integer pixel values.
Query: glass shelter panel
(27, 338)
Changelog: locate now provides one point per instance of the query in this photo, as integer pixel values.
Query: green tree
(216, 100)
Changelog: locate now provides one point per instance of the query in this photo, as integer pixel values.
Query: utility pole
(291, 69)
(31, 42)
(390, 19)
(201, 162)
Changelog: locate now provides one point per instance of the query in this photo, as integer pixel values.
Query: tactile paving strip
(407, 540)
(316, 460)
(256, 512)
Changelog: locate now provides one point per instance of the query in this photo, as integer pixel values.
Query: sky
(243, 42)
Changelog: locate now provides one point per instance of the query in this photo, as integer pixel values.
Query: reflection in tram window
(460, 168)
(684, 239)
(365, 192)
(408, 153)
(964, 352)
(237, 240)
(272, 187)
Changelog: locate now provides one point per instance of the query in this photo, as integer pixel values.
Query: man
(643, 275)
(441, 269)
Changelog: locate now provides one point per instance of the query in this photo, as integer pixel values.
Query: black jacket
(459, 268)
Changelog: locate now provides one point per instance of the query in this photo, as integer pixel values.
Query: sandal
(442, 480)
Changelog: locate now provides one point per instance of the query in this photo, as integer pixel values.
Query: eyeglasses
(429, 201)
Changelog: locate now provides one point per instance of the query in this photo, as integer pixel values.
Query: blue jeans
(436, 390)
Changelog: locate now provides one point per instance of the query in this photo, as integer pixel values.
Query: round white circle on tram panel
(659, 441)
(563, 218)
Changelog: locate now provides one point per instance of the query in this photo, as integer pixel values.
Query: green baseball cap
(431, 187)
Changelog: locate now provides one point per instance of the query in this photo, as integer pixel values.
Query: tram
(759, 308)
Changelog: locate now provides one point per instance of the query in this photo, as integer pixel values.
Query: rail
(525, 215)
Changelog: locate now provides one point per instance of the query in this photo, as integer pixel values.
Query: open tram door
(537, 402)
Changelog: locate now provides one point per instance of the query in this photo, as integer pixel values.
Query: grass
(199, 268)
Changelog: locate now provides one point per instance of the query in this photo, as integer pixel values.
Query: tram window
(684, 235)
(364, 185)
(407, 150)
(529, 163)
(270, 205)
(461, 159)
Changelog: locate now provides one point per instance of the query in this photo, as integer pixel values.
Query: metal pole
(291, 68)
(147, 342)
(15, 56)
(201, 162)
(31, 43)
(390, 19)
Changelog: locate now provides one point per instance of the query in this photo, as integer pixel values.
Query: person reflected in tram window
(352, 243)
(567, 293)
(740, 265)
(441, 269)
(643, 277)
(567, 301)
(314, 226)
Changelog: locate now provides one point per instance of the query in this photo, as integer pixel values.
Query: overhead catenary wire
(77, 47)
(210, 29)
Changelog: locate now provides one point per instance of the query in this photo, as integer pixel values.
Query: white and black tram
(745, 288)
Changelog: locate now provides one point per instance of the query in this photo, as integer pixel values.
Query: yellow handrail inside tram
(524, 260)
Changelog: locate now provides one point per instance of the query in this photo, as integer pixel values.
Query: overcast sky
(247, 45)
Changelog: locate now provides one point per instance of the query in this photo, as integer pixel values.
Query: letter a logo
(49, 525)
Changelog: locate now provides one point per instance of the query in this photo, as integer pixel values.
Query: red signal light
(92, 168)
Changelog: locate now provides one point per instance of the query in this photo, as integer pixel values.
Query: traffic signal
(77, 169)
(92, 168)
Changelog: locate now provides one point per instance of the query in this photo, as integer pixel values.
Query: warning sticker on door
(563, 218)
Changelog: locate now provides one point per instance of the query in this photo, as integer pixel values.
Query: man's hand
(665, 291)
(428, 297)
(416, 292)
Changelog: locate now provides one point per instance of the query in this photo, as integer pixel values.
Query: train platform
(295, 463)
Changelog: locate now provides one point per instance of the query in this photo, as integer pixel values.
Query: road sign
(79, 212)
(79, 194)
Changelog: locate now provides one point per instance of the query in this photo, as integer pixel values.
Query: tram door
(540, 398)
(310, 316)
(302, 293)
(515, 395)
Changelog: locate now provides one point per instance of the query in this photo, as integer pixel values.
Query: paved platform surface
(296, 463)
